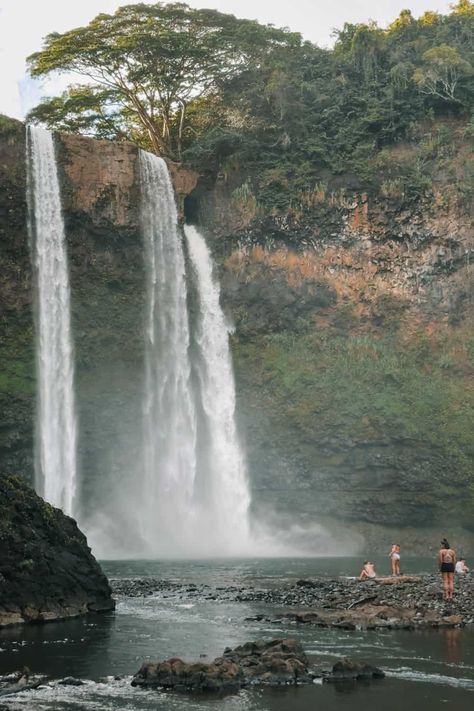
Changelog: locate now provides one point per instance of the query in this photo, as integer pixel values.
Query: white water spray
(195, 495)
(224, 482)
(56, 424)
(169, 413)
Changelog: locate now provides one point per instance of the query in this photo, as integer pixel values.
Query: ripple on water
(408, 674)
(119, 695)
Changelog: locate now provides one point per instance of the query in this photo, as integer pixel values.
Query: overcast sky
(23, 24)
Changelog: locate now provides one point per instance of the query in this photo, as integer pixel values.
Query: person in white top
(461, 567)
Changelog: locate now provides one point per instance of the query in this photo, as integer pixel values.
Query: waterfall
(224, 482)
(169, 412)
(56, 424)
(194, 492)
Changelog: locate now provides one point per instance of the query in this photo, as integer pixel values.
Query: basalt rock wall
(354, 356)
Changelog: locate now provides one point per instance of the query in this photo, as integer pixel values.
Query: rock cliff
(353, 341)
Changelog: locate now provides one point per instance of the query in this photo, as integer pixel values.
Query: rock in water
(47, 571)
(348, 669)
(195, 676)
(277, 662)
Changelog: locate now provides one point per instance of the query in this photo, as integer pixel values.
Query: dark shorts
(447, 567)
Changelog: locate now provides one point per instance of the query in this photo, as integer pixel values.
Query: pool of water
(425, 669)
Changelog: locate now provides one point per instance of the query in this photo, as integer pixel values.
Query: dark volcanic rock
(347, 669)
(376, 617)
(280, 661)
(221, 675)
(47, 571)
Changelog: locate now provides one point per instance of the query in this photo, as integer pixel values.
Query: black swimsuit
(447, 567)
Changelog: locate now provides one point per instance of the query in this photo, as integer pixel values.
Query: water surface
(425, 669)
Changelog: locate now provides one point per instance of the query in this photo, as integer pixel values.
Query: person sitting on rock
(461, 567)
(447, 562)
(368, 571)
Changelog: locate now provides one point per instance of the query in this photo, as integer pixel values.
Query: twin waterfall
(56, 477)
(190, 494)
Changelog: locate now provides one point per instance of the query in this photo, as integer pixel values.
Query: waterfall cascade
(169, 413)
(224, 484)
(56, 424)
(195, 491)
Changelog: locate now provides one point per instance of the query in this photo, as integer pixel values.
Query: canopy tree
(144, 64)
(441, 73)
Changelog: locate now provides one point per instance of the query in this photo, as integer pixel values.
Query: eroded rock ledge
(47, 571)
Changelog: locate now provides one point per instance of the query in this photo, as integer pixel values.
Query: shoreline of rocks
(404, 602)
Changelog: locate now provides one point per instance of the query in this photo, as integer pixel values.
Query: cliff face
(16, 311)
(354, 354)
(352, 345)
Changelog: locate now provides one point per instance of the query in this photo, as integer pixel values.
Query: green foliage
(26, 564)
(442, 72)
(366, 387)
(145, 64)
(49, 513)
(217, 91)
(17, 376)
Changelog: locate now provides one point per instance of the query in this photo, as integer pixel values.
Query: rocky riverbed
(406, 602)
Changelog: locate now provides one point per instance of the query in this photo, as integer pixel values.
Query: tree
(146, 63)
(443, 68)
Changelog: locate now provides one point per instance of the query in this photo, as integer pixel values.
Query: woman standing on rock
(447, 562)
(395, 559)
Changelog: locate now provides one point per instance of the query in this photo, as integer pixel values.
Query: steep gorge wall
(338, 310)
(354, 355)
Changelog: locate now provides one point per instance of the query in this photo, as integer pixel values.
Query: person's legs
(397, 566)
(445, 585)
(394, 565)
(451, 585)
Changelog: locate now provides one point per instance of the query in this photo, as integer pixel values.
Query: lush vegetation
(415, 389)
(227, 93)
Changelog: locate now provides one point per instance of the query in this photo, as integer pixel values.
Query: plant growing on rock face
(148, 63)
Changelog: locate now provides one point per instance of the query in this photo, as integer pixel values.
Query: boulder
(348, 669)
(47, 570)
(175, 674)
(277, 662)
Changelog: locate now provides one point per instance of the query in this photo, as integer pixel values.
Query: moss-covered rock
(17, 373)
(47, 571)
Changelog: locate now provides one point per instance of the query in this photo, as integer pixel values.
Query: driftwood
(398, 579)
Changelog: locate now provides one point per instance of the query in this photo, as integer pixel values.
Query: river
(425, 670)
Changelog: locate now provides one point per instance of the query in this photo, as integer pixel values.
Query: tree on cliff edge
(143, 66)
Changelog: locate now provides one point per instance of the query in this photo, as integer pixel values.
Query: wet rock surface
(348, 669)
(47, 571)
(407, 602)
(277, 662)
